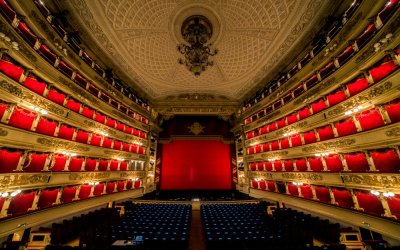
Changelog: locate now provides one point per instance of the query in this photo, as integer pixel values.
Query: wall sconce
(12, 194)
(37, 109)
(322, 154)
(68, 154)
(297, 183)
(385, 194)
(14, 45)
(383, 41)
(103, 133)
(93, 183)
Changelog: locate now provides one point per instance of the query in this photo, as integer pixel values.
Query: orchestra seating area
(203, 195)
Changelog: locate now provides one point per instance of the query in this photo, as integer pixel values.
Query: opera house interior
(207, 124)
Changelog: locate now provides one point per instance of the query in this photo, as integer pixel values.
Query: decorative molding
(11, 180)
(98, 126)
(88, 176)
(196, 128)
(275, 155)
(303, 176)
(314, 91)
(330, 145)
(361, 99)
(393, 132)
(131, 174)
(3, 132)
(78, 90)
(373, 180)
(55, 143)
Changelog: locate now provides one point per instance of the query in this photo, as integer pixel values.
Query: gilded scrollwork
(11, 180)
(324, 146)
(133, 174)
(303, 176)
(58, 144)
(88, 176)
(393, 132)
(372, 180)
(78, 91)
(3, 132)
(314, 91)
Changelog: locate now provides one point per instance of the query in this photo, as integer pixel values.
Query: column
(35, 201)
(77, 193)
(344, 163)
(115, 187)
(6, 205)
(299, 191)
(371, 163)
(125, 184)
(104, 188)
(333, 201)
(287, 188)
(355, 201)
(67, 163)
(314, 193)
(92, 190)
(385, 206)
(324, 164)
(22, 161)
(59, 194)
(47, 163)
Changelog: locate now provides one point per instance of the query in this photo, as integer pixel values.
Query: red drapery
(386, 161)
(196, 164)
(381, 71)
(393, 110)
(123, 166)
(90, 164)
(309, 137)
(120, 186)
(333, 163)
(281, 123)
(21, 203)
(325, 133)
(68, 194)
(34, 85)
(268, 165)
(88, 112)
(56, 96)
(22, 118)
(84, 191)
(343, 198)
(114, 165)
(318, 106)
(47, 198)
(394, 205)
(278, 165)
(323, 194)
(357, 86)
(75, 164)
(35, 162)
(275, 145)
(336, 98)
(304, 113)
(9, 160)
(284, 143)
(271, 127)
(316, 164)
(293, 190)
(59, 161)
(357, 162)
(103, 164)
(73, 105)
(296, 140)
(96, 140)
(11, 70)
(288, 165)
(301, 165)
(271, 186)
(82, 136)
(46, 127)
(98, 189)
(346, 127)
(370, 203)
(370, 119)
(110, 187)
(306, 191)
(66, 132)
(100, 118)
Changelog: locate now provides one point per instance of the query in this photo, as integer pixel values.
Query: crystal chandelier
(196, 31)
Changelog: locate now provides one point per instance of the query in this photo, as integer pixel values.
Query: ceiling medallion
(196, 31)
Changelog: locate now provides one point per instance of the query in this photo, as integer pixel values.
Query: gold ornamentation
(3, 132)
(54, 143)
(375, 180)
(88, 176)
(196, 128)
(11, 88)
(98, 126)
(393, 132)
(78, 91)
(133, 174)
(303, 176)
(291, 128)
(119, 154)
(312, 92)
(275, 155)
(323, 146)
(10, 180)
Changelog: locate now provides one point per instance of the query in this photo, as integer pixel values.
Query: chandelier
(196, 31)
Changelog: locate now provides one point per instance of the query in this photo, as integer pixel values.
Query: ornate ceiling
(140, 37)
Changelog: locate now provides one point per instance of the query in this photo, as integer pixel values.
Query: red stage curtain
(98, 189)
(281, 123)
(306, 191)
(336, 98)
(284, 143)
(262, 185)
(137, 183)
(271, 186)
(88, 112)
(386, 161)
(357, 162)
(123, 166)
(84, 192)
(59, 161)
(11, 70)
(315, 164)
(304, 113)
(22, 118)
(120, 186)
(82, 136)
(66, 132)
(110, 187)
(309, 137)
(68, 194)
(9, 160)
(100, 118)
(55, 96)
(75, 164)
(21, 203)
(288, 165)
(35, 162)
(394, 205)
(114, 165)
(301, 165)
(381, 71)
(265, 147)
(35, 85)
(128, 130)
(47, 198)
(370, 203)
(291, 119)
(271, 127)
(274, 145)
(392, 109)
(333, 163)
(370, 119)
(296, 140)
(96, 140)
(357, 86)
(73, 105)
(90, 164)
(103, 164)
(120, 126)
(325, 133)
(117, 145)
(46, 127)
(260, 166)
(278, 165)
(107, 142)
(346, 127)
(293, 189)
(318, 106)
(111, 122)
(196, 164)
(343, 198)
(263, 130)
(323, 194)
(268, 165)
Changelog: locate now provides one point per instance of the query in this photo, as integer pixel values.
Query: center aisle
(197, 239)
